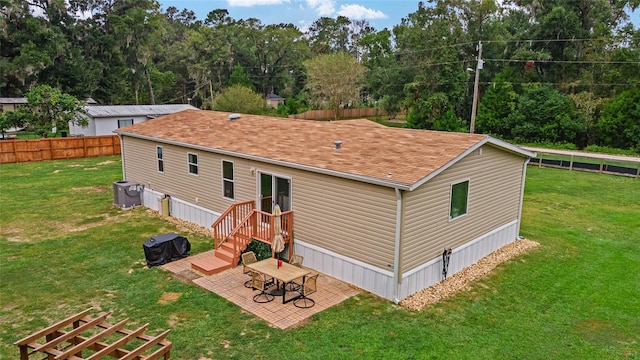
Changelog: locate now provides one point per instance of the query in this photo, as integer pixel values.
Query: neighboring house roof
(396, 157)
(19, 100)
(97, 111)
(274, 97)
(23, 100)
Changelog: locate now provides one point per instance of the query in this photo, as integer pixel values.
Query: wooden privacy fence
(344, 113)
(15, 151)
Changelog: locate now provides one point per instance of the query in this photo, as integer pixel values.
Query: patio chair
(248, 258)
(295, 260)
(308, 288)
(258, 283)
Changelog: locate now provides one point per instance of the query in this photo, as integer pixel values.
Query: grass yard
(63, 248)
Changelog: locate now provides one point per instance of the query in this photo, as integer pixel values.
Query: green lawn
(63, 248)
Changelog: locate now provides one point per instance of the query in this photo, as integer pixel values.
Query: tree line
(557, 71)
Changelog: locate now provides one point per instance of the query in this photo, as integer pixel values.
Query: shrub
(261, 249)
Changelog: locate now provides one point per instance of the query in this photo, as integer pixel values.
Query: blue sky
(302, 13)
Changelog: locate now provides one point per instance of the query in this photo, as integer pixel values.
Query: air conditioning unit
(127, 194)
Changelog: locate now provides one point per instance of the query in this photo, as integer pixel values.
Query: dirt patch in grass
(183, 225)
(173, 321)
(103, 220)
(169, 297)
(601, 332)
(16, 234)
(90, 189)
(462, 279)
(106, 162)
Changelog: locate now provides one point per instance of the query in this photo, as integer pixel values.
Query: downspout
(396, 255)
(124, 177)
(524, 175)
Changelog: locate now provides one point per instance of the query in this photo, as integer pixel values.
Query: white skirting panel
(461, 257)
(365, 276)
(380, 281)
(151, 199)
(180, 209)
(192, 213)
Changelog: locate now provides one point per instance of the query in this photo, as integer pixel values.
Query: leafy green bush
(261, 249)
(552, 145)
(238, 98)
(610, 150)
(619, 124)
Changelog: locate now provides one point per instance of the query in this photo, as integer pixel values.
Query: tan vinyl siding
(494, 195)
(206, 187)
(348, 217)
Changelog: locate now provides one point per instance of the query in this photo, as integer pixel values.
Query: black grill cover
(165, 248)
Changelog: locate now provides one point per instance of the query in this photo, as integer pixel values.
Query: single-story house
(274, 100)
(11, 103)
(104, 119)
(373, 206)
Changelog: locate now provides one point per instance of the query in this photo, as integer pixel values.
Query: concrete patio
(230, 285)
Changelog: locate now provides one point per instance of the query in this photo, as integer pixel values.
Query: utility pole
(474, 107)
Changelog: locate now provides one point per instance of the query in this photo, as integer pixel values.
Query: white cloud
(39, 12)
(249, 3)
(304, 25)
(354, 11)
(322, 7)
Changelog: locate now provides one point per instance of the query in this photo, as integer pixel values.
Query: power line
(567, 84)
(542, 40)
(567, 61)
(189, 94)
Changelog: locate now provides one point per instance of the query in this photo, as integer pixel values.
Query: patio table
(286, 273)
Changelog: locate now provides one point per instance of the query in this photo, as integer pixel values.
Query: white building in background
(104, 119)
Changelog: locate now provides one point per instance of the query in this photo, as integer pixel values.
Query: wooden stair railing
(242, 235)
(229, 220)
(254, 224)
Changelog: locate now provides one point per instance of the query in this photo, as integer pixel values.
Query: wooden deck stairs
(234, 230)
(223, 258)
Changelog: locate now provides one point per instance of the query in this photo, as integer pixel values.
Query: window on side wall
(459, 199)
(228, 184)
(193, 163)
(123, 123)
(160, 158)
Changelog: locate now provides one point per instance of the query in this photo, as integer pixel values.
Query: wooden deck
(234, 230)
(230, 285)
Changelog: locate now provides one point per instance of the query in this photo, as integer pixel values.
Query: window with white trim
(123, 123)
(228, 183)
(193, 163)
(459, 199)
(160, 158)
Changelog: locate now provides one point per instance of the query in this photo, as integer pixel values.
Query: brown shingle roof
(368, 149)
